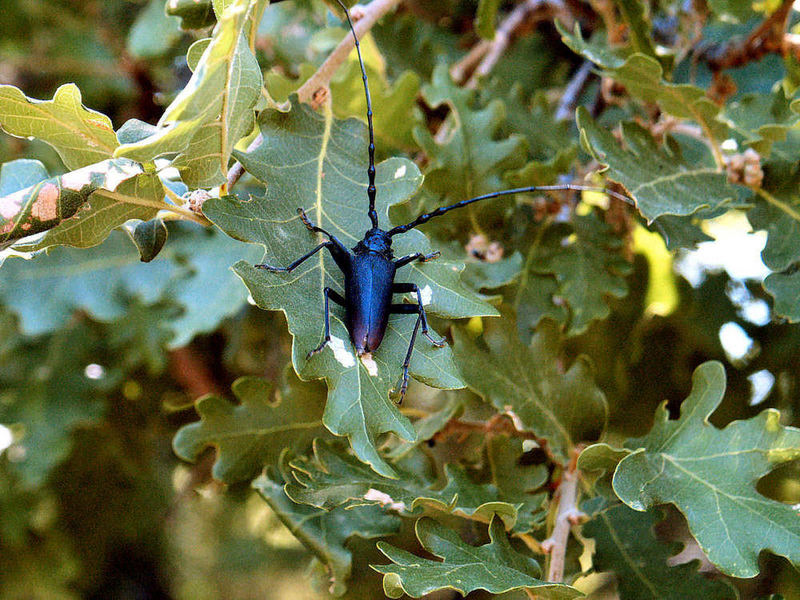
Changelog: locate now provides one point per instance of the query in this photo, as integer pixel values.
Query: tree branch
(568, 515)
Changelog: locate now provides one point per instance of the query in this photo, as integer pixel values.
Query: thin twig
(575, 87)
(367, 17)
(767, 38)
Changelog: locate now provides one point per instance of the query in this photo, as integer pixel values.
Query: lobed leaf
(252, 434)
(317, 162)
(656, 177)
(563, 407)
(625, 544)
(325, 532)
(495, 567)
(45, 290)
(334, 479)
(213, 111)
(80, 136)
(711, 474)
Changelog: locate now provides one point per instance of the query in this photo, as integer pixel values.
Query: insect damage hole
(369, 364)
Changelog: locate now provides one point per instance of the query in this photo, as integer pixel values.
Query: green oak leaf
(51, 202)
(154, 31)
(211, 292)
(760, 120)
(253, 433)
(214, 110)
(16, 175)
(473, 157)
(597, 463)
(785, 288)
(633, 12)
(495, 567)
(655, 177)
(149, 237)
(776, 209)
(326, 532)
(318, 163)
(80, 136)
(643, 77)
(45, 290)
(563, 407)
(194, 14)
(710, 474)
(584, 259)
(333, 479)
(626, 545)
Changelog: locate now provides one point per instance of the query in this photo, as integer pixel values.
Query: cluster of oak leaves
(146, 238)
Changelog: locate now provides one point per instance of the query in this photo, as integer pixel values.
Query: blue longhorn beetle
(370, 267)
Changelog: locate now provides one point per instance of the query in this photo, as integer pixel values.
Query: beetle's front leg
(329, 295)
(402, 288)
(296, 263)
(403, 261)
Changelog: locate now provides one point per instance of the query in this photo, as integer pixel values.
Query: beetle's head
(377, 240)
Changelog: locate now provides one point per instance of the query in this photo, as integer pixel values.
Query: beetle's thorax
(376, 241)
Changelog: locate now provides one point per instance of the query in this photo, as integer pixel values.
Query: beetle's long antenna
(373, 216)
(424, 218)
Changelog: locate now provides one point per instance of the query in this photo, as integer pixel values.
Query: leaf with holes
(319, 163)
(495, 567)
(60, 203)
(627, 546)
(710, 474)
(214, 110)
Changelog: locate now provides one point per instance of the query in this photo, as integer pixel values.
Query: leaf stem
(183, 212)
(778, 203)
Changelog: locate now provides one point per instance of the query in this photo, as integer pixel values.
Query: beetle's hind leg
(403, 288)
(329, 295)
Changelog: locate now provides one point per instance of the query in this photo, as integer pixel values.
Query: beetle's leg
(329, 295)
(402, 288)
(402, 262)
(405, 309)
(311, 227)
(296, 263)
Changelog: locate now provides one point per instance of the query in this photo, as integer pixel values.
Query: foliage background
(102, 356)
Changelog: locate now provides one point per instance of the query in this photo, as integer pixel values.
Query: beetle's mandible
(370, 267)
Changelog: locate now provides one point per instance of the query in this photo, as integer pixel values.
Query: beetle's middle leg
(329, 294)
(403, 288)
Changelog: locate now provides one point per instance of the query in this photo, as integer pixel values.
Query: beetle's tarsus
(271, 269)
(430, 256)
(399, 391)
(319, 348)
(441, 343)
(304, 218)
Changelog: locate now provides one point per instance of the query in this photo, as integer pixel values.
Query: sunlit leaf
(79, 135)
(710, 474)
